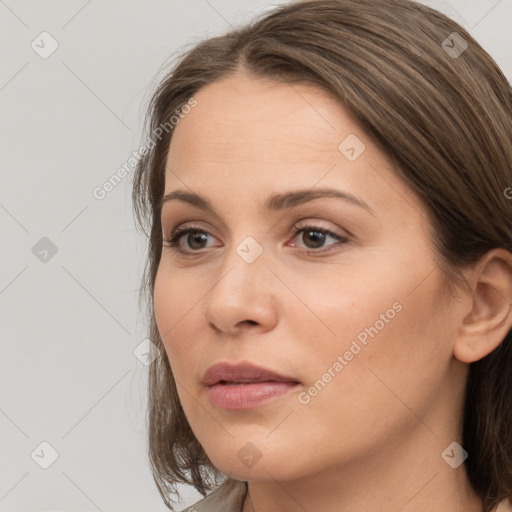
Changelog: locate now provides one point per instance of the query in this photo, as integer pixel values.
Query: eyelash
(173, 242)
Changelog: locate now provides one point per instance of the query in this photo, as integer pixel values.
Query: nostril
(214, 327)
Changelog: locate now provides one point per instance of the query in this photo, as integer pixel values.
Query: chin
(250, 464)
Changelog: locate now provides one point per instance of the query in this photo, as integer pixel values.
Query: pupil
(316, 235)
(196, 236)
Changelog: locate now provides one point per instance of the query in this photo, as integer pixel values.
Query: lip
(256, 385)
(242, 372)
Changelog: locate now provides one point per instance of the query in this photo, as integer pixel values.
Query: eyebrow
(275, 202)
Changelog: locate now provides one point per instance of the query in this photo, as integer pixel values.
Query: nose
(243, 296)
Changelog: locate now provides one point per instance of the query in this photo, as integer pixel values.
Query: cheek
(165, 304)
(394, 347)
(367, 401)
(174, 309)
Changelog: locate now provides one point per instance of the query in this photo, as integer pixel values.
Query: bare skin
(372, 438)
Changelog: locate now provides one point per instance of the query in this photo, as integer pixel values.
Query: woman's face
(357, 317)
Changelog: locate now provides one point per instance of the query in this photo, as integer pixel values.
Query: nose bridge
(242, 291)
(242, 268)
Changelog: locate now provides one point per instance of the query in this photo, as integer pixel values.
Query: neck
(410, 476)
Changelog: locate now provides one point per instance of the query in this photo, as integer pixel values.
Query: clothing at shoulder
(228, 497)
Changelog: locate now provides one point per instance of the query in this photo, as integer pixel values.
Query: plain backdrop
(74, 83)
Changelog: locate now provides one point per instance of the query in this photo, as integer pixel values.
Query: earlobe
(489, 320)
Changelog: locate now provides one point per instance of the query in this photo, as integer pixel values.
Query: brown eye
(194, 236)
(315, 237)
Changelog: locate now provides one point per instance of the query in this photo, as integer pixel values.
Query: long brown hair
(437, 104)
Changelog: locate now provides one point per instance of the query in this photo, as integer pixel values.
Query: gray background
(69, 319)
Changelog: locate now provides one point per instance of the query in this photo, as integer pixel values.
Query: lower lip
(247, 396)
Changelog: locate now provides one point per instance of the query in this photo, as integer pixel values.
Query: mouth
(247, 395)
(244, 385)
(236, 383)
(242, 373)
(244, 382)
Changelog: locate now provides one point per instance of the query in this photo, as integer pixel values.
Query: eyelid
(181, 227)
(302, 226)
(316, 224)
(296, 225)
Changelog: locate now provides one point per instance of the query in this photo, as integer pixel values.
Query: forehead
(248, 136)
(245, 117)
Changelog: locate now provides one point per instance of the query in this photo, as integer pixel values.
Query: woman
(328, 200)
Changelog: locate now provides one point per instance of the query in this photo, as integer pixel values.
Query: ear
(489, 320)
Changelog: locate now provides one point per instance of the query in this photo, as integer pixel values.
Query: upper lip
(242, 372)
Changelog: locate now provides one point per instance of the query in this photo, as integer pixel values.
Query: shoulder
(228, 497)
